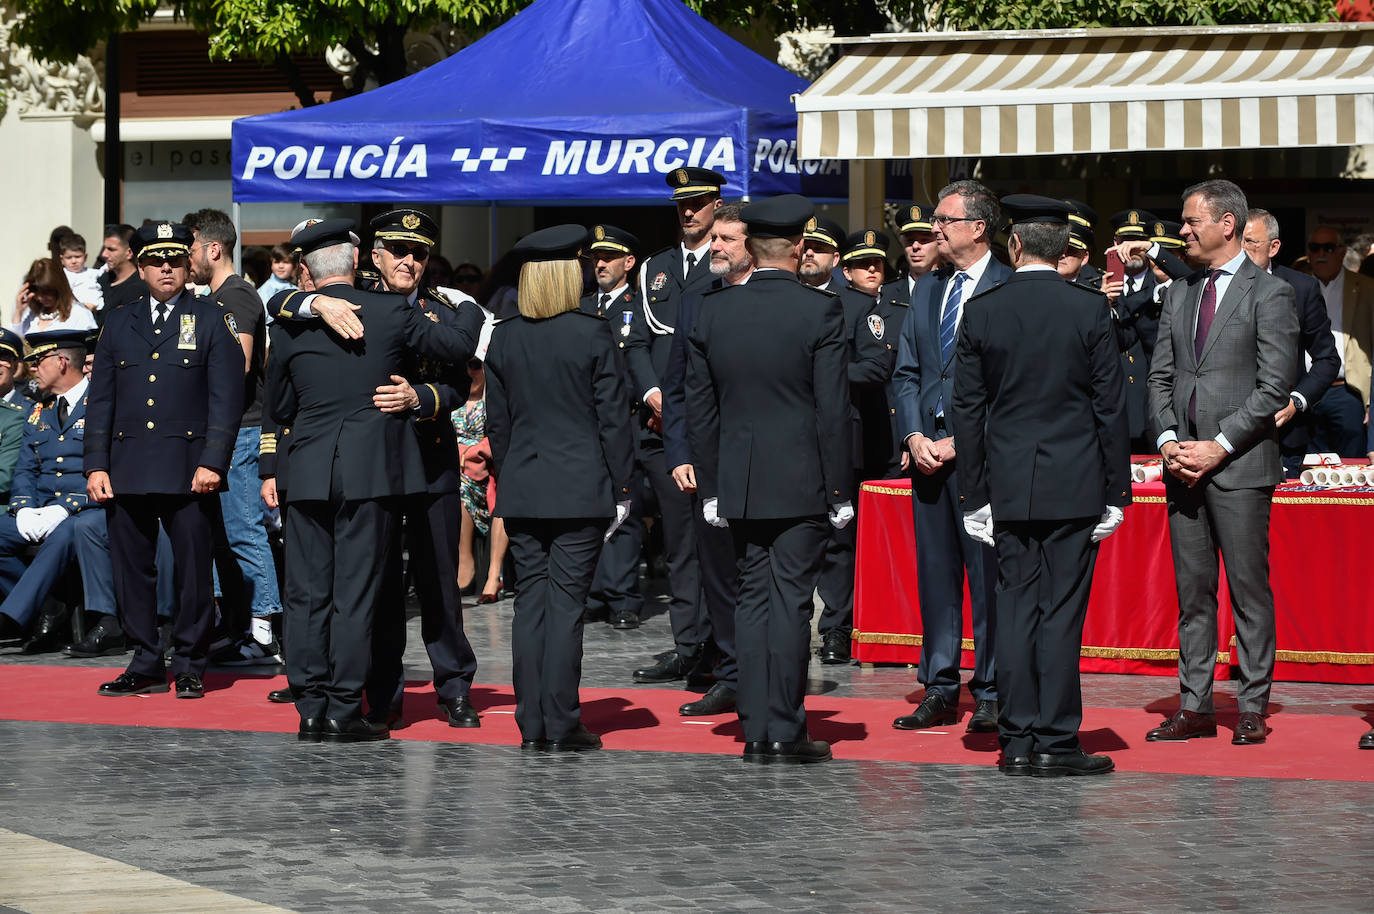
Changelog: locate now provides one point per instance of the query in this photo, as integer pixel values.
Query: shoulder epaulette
(434, 295)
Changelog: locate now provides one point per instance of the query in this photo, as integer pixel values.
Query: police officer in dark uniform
(341, 524)
(766, 394)
(49, 503)
(14, 408)
(559, 421)
(162, 417)
(822, 242)
(1073, 264)
(872, 354)
(615, 594)
(1043, 462)
(664, 279)
(921, 250)
(1137, 307)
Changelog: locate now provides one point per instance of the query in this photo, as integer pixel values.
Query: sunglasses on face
(154, 261)
(1329, 247)
(417, 251)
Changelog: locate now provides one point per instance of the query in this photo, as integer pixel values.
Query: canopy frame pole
(237, 216)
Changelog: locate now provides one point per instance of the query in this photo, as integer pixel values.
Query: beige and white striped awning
(1093, 90)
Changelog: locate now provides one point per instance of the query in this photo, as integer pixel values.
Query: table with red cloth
(1323, 590)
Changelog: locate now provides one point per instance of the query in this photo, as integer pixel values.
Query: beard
(813, 273)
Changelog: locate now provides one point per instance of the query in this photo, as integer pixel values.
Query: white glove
(978, 524)
(622, 511)
(841, 514)
(708, 511)
(1111, 519)
(49, 519)
(28, 521)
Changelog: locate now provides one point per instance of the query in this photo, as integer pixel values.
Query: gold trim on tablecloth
(1279, 499)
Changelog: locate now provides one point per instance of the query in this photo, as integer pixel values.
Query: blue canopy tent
(570, 100)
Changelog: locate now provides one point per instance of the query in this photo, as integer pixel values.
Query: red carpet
(1301, 746)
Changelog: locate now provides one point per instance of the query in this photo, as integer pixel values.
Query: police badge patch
(875, 324)
(232, 325)
(659, 282)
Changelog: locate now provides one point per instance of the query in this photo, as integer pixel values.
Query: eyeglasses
(399, 251)
(1328, 246)
(942, 219)
(153, 260)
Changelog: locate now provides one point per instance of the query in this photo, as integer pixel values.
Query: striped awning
(1089, 91)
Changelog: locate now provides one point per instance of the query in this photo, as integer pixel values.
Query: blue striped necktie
(949, 323)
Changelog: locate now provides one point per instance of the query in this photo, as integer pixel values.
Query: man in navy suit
(966, 218)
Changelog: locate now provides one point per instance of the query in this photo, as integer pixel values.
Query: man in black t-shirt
(120, 284)
(246, 534)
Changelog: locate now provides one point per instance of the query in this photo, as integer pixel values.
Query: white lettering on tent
(637, 154)
(296, 155)
(722, 156)
(662, 163)
(414, 163)
(595, 166)
(564, 158)
(698, 146)
(342, 162)
(258, 157)
(312, 168)
(357, 169)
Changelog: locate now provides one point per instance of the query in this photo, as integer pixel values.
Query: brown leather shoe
(1184, 725)
(1250, 729)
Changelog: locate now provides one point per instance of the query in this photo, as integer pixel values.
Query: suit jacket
(558, 418)
(922, 377)
(1038, 444)
(49, 471)
(1357, 323)
(322, 387)
(767, 401)
(1314, 339)
(161, 405)
(1244, 376)
(677, 450)
(662, 288)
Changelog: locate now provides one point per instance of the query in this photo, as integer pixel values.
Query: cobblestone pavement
(420, 827)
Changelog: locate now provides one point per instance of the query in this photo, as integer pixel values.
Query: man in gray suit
(1223, 365)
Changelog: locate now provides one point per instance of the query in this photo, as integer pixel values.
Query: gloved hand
(1111, 519)
(49, 518)
(978, 524)
(28, 521)
(622, 511)
(708, 511)
(841, 514)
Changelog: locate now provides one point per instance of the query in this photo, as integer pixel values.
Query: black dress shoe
(590, 616)
(801, 752)
(50, 632)
(104, 639)
(1047, 765)
(311, 728)
(1367, 741)
(460, 713)
(390, 719)
(10, 630)
(717, 700)
(933, 711)
(672, 667)
(835, 647)
(1250, 730)
(984, 719)
(533, 745)
(757, 753)
(624, 620)
(128, 683)
(1184, 725)
(580, 740)
(189, 686)
(1015, 766)
(282, 697)
(352, 730)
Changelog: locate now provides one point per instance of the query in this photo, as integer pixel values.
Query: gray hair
(1271, 225)
(979, 203)
(335, 260)
(770, 249)
(1220, 197)
(1042, 241)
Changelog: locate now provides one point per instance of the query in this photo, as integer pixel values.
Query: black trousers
(836, 584)
(719, 591)
(686, 610)
(432, 528)
(1045, 574)
(339, 554)
(615, 585)
(132, 522)
(779, 562)
(554, 563)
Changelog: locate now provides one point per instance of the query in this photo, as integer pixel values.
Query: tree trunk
(295, 80)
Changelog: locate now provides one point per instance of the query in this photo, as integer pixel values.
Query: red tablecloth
(1318, 555)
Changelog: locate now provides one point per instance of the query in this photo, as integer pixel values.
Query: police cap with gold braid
(558, 242)
(1131, 223)
(916, 218)
(864, 244)
(694, 182)
(783, 216)
(610, 238)
(1166, 234)
(312, 235)
(1024, 208)
(162, 239)
(405, 225)
(42, 342)
(824, 231)
(11, 345)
